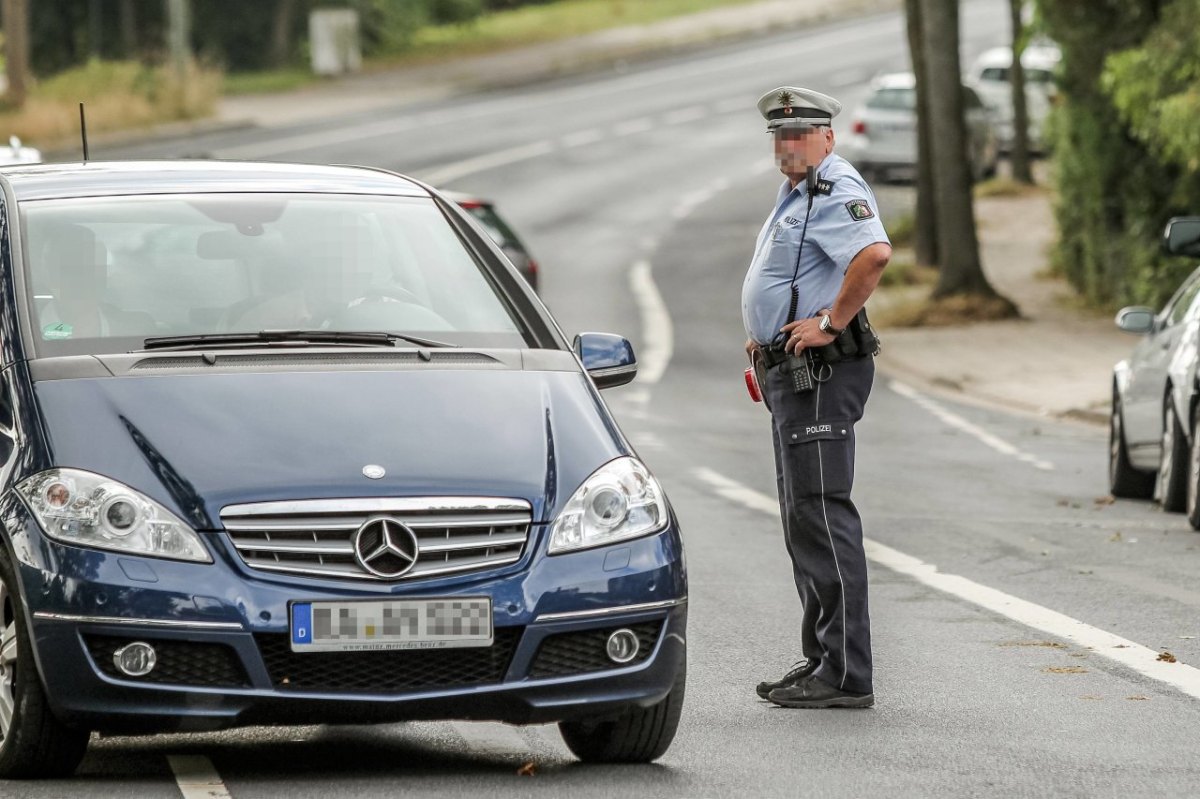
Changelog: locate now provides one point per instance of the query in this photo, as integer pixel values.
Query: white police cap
(790, 105)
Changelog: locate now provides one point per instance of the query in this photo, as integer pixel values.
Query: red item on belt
(752, 385)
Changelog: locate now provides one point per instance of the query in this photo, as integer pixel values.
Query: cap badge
(785, 99)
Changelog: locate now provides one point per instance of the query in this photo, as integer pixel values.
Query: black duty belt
(858, 340)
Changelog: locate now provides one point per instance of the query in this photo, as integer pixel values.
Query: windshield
(103, 274)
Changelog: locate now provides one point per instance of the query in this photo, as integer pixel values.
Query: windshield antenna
(83, 132)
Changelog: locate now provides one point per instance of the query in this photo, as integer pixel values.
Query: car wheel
(1172, 470)
(1123, 479)
(639, 735)
(1192, 506)
(33, 743)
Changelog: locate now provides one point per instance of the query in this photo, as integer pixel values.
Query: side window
(1179, 306)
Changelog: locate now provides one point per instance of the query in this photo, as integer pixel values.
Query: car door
(1143, 401)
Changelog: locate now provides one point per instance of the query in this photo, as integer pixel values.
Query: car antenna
(83, 132)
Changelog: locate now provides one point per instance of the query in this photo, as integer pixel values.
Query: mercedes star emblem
(374, 471)
(385, 547)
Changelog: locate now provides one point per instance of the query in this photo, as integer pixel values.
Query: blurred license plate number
(375, 625)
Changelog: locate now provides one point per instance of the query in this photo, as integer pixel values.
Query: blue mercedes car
(286, 444)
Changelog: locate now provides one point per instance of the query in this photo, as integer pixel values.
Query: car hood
(197, 443)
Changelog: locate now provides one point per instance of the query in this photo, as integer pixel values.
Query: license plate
(372, 625)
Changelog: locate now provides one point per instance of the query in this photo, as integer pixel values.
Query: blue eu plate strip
(302, 623)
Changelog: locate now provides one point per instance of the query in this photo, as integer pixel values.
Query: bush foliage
(1126, 142)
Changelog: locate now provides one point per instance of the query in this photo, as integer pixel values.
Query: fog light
(622, 646)
(136, 659)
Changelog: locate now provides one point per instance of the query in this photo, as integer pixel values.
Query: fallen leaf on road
(1108, 500)
(1186, 637)
(1121, 646)
(1116, 536)
(1052, 644)
(1138, 698)
(1091, 697)
(1062, 503)
(527, 770)
(1166, 657)
(1065, 670)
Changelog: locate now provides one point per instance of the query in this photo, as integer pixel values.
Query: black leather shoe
(797, 673)
(816, 693)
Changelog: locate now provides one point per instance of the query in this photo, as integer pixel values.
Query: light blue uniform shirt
(841, 226)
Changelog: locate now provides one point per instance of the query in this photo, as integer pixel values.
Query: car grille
(177, 662)
(387, 672)
(573, 653)
(316, 537)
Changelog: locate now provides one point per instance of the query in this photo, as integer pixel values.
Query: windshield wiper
(345, 337)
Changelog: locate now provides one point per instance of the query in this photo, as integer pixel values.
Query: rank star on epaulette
(824, 188)
(859, 210)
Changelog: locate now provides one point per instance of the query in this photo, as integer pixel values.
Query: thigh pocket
(821, 457)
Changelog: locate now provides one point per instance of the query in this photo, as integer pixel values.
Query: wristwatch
(826, 326)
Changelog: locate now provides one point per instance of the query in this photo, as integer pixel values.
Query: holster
(858, 340)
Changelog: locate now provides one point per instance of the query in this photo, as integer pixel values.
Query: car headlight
(620, 500)
(88, 510)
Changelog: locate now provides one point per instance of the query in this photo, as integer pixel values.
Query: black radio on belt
(799, 369)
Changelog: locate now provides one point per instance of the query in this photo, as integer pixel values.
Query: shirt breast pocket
(783, 247)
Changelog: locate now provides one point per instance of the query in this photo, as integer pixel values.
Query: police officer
(817, 260)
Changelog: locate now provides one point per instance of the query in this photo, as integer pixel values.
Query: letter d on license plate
(369, 625)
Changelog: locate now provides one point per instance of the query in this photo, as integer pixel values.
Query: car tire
(1192, 505)
(1123, 479)
(1171, 488)
(639, 735)
(34, 742)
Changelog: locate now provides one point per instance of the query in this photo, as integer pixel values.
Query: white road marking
(197, 778)
(956, 421)
(658, 334)
(733, 104)
(582, 138)
(482, 163)
(690, 202)
(631, 126)
(1128, 653)
(481, 736)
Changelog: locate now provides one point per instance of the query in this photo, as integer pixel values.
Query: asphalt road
(1035, 674)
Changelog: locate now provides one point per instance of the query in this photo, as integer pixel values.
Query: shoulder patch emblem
(859, 210)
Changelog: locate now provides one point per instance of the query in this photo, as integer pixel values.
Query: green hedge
(1126, 142)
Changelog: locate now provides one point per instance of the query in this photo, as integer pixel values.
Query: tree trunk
(925, 218)
(1020, 144)
(281, 32)
(127, 20)
(958, 246)
(16, 49)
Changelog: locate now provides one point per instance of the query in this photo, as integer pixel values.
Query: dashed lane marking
(1141, 659)
(956, 421)
(197, 778)
(470, 166)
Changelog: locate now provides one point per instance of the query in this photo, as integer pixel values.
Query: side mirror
(607, 358)
(1182, 236)
(1136, 319)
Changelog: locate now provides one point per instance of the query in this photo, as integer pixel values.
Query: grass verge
(116, 94)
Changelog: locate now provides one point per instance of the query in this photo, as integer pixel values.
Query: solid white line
(482, 163)
(956, 421)
(196, 777)
(1121, 650)
(658, 334)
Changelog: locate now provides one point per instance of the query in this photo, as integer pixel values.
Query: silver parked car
(1154, 449)
(883, 138)
(990, 77)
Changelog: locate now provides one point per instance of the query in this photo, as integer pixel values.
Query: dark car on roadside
(484, 212)
(297, 444)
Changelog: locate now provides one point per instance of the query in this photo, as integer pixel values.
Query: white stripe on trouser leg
(833, 548)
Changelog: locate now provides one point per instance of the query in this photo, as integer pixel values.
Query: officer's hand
(805, 334)
(751, 346)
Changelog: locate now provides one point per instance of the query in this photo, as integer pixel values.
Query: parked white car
(990, 76)
(1154, 449)
(883, 137)
(16, 153)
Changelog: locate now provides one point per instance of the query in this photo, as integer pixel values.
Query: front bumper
(221, 630)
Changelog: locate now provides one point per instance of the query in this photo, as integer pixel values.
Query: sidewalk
(1056, 361)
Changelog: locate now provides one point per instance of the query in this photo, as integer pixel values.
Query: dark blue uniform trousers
(814, 465)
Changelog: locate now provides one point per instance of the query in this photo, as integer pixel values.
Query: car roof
(101, 178)
(1037, 56)
(894, 80)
